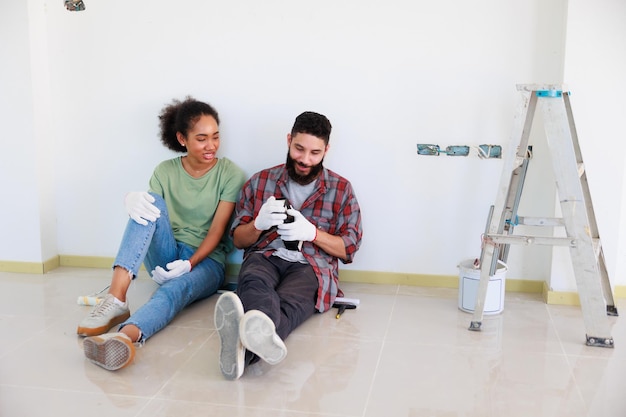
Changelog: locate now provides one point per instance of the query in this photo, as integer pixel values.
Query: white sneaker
(106, 314)
(258, 334)
(228, 313)
(112, 351)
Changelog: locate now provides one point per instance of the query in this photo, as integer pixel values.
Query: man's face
(305, 157)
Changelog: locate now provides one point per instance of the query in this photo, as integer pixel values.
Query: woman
(177, 229)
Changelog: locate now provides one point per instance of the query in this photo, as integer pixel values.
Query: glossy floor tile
(405, 351)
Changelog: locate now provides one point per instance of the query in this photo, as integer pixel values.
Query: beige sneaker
(104, 315)
(258, 334)
(111, 351)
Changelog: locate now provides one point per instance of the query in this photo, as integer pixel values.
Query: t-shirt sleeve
(155, 185)
(235, 177)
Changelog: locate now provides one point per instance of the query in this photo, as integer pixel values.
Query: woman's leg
(173, 296)
(155, 239)
(153, 243)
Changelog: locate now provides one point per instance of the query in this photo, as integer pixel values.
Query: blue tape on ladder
(549, 93)
(514, 222)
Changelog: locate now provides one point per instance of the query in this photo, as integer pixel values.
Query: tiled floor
(405, 351)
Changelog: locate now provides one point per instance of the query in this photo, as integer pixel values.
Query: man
(294, 222)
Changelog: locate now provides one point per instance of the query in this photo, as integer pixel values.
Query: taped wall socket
(457, 150)
(430, 149)
(427, 149)
(489, 151)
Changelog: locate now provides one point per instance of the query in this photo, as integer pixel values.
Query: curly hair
(313, 124)
(181, 116)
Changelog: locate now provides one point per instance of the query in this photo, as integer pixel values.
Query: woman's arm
(216, 231)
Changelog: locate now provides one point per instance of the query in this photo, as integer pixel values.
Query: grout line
(380, 353)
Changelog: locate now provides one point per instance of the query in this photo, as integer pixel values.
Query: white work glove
(299, 229)
(272, 213)
(175, 269)
(140, 208)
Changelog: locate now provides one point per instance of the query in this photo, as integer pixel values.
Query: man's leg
(277, 296)
(297, 292)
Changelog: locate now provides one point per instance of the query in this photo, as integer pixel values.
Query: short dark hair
(314, 124)
(181, 116)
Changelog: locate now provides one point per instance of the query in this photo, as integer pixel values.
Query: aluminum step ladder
(578, 217)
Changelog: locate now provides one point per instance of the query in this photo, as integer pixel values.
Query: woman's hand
(175, 269)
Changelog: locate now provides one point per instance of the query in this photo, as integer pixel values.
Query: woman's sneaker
(258, 334)
(111, 351)
(106, 314)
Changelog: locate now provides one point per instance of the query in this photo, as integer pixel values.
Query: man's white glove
(140, 208)
(299, 229)
(272, 213)
(175, 269)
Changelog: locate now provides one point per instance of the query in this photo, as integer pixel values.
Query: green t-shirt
(192, 202)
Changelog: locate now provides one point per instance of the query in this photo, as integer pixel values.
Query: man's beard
(303, 179)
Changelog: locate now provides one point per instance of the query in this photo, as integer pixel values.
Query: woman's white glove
(140, 208)
(299, 229)
(175, 269)
(272, 213)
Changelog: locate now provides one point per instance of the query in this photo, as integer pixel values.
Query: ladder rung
(581, 169)
(540, 221)
(532, 240)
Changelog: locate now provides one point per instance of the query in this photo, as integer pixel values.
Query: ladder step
(581, 169)
(531, 240)
(540, 221)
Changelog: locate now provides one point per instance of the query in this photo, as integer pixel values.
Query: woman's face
(203, 140)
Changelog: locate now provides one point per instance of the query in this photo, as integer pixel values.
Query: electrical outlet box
(457, 150)
(427, 149)
(490, 151)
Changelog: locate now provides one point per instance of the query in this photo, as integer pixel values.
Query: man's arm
(272, 213)
(245, 235)
(331, 244)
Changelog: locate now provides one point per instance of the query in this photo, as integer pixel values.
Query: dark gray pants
(285, 291)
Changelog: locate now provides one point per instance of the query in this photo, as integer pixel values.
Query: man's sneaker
(228, 313)
(104, 315)
(111, 351)
(258, 334)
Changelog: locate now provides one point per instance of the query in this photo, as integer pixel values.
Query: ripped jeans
(154, 245)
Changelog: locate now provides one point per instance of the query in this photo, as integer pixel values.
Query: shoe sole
(258, 334)
(111, 354)
(97, 331)
(228, 313)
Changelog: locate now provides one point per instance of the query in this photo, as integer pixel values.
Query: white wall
(595, 69)
(20, 223)
(388, 74)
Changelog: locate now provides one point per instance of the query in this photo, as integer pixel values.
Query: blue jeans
(154, 245)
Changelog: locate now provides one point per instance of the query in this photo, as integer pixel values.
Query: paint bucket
(469, 278)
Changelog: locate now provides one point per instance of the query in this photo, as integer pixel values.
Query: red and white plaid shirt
(331, 207)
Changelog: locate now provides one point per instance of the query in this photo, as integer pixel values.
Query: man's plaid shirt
(332, 207)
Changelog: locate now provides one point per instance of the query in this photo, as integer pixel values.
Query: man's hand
(175, 269)
(140, 208)
(299, 229)
(272, 213)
